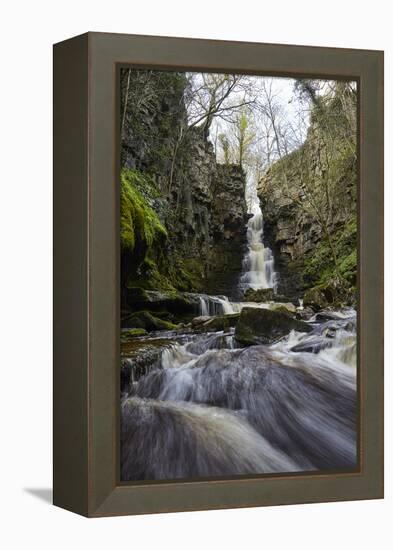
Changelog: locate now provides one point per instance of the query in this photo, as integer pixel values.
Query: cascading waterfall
(258, 264)
(214, 305)
(221, 305)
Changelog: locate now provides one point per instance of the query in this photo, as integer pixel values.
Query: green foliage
(319, 268)
(133, 333)
(139, 223)
(148, 322)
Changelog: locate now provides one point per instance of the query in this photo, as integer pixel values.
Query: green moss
(145, 320)
(139, 223)
(221, 322)
(143, 236)
(319, 269)
(133, 333)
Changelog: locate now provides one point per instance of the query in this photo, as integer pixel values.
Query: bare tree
(319, 191)
(211, 96)
(207, 97)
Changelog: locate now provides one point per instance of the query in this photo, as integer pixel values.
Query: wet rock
(145, 320)
(285, 308)
(330, 332)
(312, 345)
(315, 298)
(264, 326)
(222, 322)
(326, 316)
(197, 321)
(304, 314)
(259, 295)
(138, 357)
(176, 302)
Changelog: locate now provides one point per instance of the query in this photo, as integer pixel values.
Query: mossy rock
(288, 308)
(259, 295)
(133, 333)
(172, 301)
(221, 322)
(200, 320)
(315, 298)
(138, 357)
(145, 320)
(328, 295)
(140, 225)
(264, 326)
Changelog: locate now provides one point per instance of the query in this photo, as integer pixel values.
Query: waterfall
(203, 306)
(214, 305)
(258, 264)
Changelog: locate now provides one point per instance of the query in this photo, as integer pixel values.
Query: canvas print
(238, 213)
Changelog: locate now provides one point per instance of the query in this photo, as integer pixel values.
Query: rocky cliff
(308, 200)
(183, 215)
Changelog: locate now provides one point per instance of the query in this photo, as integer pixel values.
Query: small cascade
(209, 306)
(214, 305)
(258, 264)
(203, 306)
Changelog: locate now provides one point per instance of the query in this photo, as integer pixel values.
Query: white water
(211, 408)
(220, 305)
(258, 264)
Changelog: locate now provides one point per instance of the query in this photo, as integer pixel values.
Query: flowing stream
(209, 407)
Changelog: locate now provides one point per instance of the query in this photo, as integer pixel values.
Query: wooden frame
(86, 273)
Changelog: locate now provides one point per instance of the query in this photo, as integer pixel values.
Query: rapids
(211, 408)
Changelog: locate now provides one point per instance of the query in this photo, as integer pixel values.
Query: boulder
(260, 295)
(136, 298)
(287, 307)
(145, 320)
(221, 322)
(305, 313)
(326, 316)
(197, 321)
(312, 345)
(315, 298)
(264, 326)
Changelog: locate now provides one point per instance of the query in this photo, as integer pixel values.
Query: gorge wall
(308, 198)
(183, 215)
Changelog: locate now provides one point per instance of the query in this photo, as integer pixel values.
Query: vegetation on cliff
(140, 225)
(309, 196)
(190, 140)
(183, 214)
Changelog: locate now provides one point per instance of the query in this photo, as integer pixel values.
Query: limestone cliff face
(199, 203)
(313, 186)
(228, 231)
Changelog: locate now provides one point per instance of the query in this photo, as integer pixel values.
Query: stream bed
(203, 406)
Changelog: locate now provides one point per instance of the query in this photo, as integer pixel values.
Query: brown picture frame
(86, 273)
